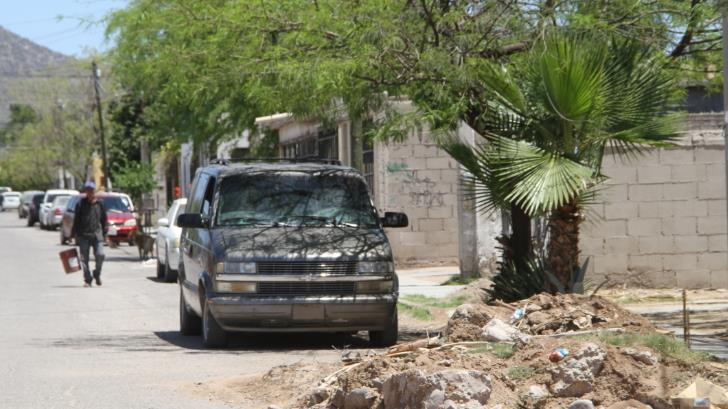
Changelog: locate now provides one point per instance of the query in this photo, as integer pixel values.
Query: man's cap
(89, 185)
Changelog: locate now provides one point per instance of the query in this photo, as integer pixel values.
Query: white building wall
(661, 220)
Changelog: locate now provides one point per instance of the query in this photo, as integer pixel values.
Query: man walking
(89, 229)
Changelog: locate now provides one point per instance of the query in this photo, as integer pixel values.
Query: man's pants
(85, 244)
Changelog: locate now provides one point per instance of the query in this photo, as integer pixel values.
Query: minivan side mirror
(163, 222)
(191, 221)
(394, 219)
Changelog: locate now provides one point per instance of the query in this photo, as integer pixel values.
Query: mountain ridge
(22, 59)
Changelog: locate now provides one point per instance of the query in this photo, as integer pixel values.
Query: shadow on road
(160, 280)
(260, 342)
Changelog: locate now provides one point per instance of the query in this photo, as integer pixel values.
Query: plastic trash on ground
(701, 394)
(558, 354)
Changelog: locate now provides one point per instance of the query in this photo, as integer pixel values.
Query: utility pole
(97, 91)
(725, 99)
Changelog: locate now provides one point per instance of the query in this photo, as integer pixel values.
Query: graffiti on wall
(421, 190)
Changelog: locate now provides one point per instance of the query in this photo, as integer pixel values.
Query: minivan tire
(189, 323)
(389, 335)
(213, 336)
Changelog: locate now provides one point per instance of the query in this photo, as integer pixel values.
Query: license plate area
(308, 312)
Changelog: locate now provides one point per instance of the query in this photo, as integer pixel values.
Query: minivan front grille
(305, 288)
(323, 268)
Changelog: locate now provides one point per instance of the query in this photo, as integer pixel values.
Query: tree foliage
(56, 131)
(135, 179)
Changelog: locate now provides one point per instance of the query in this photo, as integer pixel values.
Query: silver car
(168, 236)
(45, 205)
(10, 201)
(54, 215)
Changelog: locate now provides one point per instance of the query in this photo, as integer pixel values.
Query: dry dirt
(546, 319)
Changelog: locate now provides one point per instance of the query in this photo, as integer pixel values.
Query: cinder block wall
(661, 221)
(418, 178)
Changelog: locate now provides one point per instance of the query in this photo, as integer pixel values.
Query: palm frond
(537, 180)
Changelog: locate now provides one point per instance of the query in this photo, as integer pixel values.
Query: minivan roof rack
(308, 159)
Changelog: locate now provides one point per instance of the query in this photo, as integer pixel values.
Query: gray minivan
(285, 246)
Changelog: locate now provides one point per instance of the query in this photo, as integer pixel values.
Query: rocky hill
(23, 60)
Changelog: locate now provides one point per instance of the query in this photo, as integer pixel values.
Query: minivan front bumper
(301, 314)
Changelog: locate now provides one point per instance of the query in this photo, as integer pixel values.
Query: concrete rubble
(497, 356)
(575, 377)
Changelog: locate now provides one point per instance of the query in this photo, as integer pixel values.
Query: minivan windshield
(295, 198)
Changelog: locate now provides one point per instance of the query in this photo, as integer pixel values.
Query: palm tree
(547, 128)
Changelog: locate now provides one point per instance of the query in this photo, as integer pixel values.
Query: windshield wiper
(249, 221)
(323, 219)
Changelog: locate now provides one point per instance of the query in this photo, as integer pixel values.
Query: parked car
(285, 247)
(45, 206)
(3, 189)
(25, 201)
(10, 200)
(119, 211)
(168, 237)
(54, 215)
(34, 208)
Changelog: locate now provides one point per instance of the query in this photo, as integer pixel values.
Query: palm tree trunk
(520, 237)
(563, 246)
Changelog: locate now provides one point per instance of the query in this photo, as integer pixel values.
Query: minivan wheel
(388, 336)
(213, 336)
(189, 323)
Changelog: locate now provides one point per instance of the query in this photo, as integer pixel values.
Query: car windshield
(295, 199)
(116, 204)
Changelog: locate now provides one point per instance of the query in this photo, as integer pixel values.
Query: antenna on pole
(102, 134)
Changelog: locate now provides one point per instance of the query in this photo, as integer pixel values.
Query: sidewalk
(427, 281)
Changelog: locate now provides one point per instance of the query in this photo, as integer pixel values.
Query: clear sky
(79, 29)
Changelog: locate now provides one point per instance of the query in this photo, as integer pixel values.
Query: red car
(119, 211)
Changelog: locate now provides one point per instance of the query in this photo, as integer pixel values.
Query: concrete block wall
(416, 177)
(661, 221)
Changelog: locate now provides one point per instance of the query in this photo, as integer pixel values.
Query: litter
(517, 315)
(558, 354)
(701, 394)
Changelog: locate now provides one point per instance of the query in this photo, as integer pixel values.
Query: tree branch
(687, 37)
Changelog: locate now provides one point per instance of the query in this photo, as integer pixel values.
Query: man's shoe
(98, 280)
(87, 284)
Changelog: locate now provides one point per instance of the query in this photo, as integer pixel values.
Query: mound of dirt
(541, 364)
(544, 314)
(460, 376)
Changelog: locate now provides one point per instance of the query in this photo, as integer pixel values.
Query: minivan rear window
(295, 198)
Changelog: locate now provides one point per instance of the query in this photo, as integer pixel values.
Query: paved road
(115, 346)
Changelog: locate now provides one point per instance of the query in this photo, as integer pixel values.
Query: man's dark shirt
(90, 220)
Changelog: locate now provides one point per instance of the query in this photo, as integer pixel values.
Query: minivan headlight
(376, 267)
(236, 287)
(236, 268)
(374, 287)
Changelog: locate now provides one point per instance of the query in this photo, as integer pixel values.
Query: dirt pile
(544, 314)
(599, 368)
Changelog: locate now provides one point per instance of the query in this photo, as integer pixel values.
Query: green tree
(57, 133)
(547, 129)
(136, 179)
